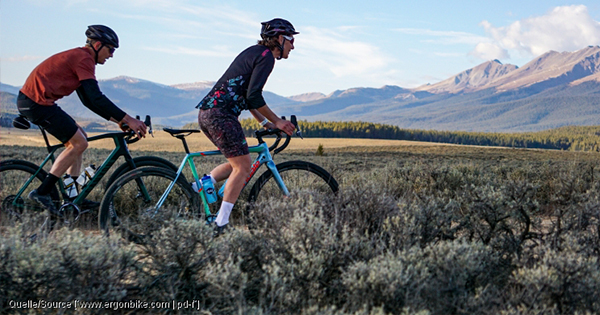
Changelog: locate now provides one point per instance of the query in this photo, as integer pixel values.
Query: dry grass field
(162, 141)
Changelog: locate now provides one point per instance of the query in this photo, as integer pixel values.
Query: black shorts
(224, 130)
(52, 118)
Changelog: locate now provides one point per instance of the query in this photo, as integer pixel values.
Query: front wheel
(298, 177)
(129, 205)
(140, 161)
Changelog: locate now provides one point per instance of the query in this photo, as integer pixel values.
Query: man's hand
(123, 126)
(269, 125)
(265, 112)
(136, 125)
(285, 126)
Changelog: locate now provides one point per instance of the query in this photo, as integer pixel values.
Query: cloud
(192, 19)
(340, 55)
(215, 52)
(448, 54)
(565, 28)
(223, 16)
(346, 28)
(21, 58)
(154, 3)
(444, 37)
(489, 51)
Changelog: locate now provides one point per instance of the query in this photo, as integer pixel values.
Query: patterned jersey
(241, 86)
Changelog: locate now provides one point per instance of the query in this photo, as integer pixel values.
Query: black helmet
(276, 27)
(103, 34)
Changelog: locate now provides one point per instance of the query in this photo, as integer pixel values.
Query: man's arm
(260, 118)
(281, 124)
(263, 65)
(90, 95)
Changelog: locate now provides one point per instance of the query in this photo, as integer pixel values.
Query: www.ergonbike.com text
(79, 305)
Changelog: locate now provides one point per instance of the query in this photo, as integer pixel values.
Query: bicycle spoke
(13, 176)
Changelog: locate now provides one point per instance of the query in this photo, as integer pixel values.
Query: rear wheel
(129, 205)
(14, 206)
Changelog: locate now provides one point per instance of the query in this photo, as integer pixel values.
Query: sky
(341, 45)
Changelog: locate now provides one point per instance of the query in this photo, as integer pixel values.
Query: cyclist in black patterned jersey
(240, 88)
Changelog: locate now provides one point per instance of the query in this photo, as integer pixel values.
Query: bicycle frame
(264, 157)
(120, 149)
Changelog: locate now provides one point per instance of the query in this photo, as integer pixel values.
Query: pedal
(210, 219)
(71, 213)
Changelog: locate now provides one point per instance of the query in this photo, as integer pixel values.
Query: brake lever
(294, 121)
(148, 123)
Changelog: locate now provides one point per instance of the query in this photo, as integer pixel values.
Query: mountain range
(552, 90)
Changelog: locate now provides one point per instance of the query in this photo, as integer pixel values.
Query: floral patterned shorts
(224, 130)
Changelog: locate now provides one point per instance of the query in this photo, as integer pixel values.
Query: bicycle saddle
(175, 132)
(20, 122)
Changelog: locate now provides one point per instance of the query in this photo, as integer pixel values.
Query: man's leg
(72, 157)
(240, 171)
(221, 172)
(75, 168)
(62, 126)
(224, 130)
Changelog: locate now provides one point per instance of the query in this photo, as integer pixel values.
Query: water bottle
(209, 189)
(70, 186)
(86, 175)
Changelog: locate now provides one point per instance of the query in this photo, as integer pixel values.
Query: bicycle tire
(140, 161)
(124, 211)
(298, 176)
(13, 175)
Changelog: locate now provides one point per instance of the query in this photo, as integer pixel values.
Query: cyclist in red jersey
(240, 88)
(59, 76)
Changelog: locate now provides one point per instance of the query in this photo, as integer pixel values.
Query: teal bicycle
(136, 210)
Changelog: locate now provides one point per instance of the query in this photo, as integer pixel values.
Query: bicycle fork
(271, 165)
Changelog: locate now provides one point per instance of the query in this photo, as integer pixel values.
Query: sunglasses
(289, 38)
(111, 50)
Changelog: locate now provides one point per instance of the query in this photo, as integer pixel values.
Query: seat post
(45, 138)
(185, 146)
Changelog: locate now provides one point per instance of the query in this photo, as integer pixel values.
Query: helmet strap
(101, 46)
(281, 49)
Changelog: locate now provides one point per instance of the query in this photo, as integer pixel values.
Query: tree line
(574, 138)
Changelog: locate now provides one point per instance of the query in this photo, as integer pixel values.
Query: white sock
(212, 179)
(224, 212)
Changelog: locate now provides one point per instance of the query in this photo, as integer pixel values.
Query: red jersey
(59, 76)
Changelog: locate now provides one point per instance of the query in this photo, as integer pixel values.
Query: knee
(79, 146)
(243, 169)
(83, 146)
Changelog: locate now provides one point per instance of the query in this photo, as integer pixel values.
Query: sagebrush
(412, 231)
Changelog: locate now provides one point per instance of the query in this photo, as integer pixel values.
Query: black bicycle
(19, 177)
